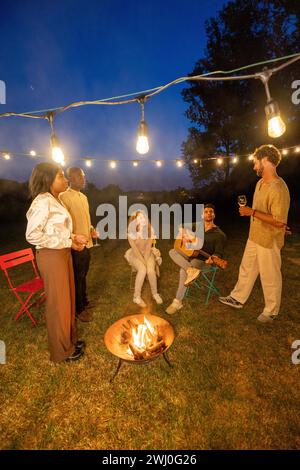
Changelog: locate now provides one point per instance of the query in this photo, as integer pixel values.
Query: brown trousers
(56, 269)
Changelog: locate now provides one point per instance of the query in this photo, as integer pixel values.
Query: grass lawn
(233, 385)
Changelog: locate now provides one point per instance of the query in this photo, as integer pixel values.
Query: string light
(142, 144)
(159, 163)
(33, 153)
(276, 126)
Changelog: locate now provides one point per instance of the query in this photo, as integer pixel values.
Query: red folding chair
(32, 286)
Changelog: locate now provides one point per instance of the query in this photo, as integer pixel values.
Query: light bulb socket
(54, 141)
(142, 129)
(272, 109)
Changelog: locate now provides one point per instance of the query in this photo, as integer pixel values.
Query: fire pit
(139, 339)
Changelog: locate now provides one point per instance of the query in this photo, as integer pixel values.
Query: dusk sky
(53, 53)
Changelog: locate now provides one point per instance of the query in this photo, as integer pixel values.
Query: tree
(228, 116)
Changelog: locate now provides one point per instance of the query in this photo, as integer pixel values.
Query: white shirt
(49, 223)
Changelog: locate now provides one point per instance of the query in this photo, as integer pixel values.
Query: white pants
(142, 270)
(267, 263)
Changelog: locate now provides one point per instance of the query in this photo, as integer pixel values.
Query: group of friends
(59, 226)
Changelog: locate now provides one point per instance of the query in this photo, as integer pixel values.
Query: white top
(49, 223)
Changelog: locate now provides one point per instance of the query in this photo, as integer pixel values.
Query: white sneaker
(174, 307)
(157, 298)
(139, 301)
(192, 274)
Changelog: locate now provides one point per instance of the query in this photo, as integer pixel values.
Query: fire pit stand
(119, 335)
(165, 356)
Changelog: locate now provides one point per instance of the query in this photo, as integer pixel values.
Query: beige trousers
(265, 262)
(56, 269)
(142, 271)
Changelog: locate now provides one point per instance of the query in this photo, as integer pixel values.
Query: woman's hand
(79, 242)
(79, 239)
(77, 246)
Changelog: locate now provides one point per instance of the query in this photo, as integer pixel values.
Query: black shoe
(77, 354)
(80, 345)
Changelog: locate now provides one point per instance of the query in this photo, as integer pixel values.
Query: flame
(143, 334)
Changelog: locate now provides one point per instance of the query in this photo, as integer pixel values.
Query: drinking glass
(95, 235)
(242, 200)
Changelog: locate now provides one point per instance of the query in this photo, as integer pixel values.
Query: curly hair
(269, 151)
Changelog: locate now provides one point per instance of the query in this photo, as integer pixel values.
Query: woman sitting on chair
(140, 256)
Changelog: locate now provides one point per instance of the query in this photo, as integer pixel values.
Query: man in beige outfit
(78, 206)
(262, 256)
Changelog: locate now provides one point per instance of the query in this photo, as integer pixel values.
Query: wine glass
(95, 235)
(242, 200)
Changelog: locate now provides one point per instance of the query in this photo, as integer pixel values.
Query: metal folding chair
(205, 281)
(31, 287)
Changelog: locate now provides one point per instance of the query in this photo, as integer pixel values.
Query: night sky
(56, 52)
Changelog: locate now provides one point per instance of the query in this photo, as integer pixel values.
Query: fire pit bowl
(139, 339)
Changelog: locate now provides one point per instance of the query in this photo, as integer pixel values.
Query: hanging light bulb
(297, 149)
(195, 160)
(33, 153)
(6, 156)
(135, 163)
(57, 153)
(250, 157)
(142, 144)
(113, 165)
(220, 161)
(276, 126)
(284, 152)
(88, 163)
(235, 160)
(158, 163)
(179, 163)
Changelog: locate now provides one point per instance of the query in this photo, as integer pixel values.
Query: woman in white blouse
(49, 228)
(141, 257)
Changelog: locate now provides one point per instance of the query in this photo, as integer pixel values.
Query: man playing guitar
(190, 259)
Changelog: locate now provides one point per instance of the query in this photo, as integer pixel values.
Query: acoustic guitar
(181, 248)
